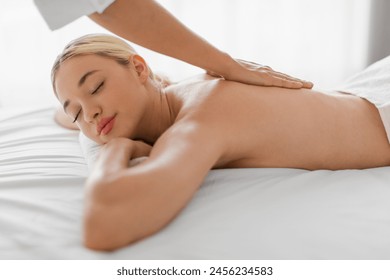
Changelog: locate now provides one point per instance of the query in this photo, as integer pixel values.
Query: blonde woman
(188, 128)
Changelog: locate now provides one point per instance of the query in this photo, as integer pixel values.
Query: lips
(105, 125)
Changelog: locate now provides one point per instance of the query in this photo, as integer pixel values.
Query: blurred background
(324, 41)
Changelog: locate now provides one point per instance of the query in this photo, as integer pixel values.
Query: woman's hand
(255, 74)
(115, 155)
(141, 149)
(126, 148)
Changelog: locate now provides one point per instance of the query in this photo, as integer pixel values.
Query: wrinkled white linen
(373, 84)
(266, 213)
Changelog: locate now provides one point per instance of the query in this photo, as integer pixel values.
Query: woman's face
(104, 98)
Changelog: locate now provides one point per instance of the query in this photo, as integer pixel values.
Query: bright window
(324, 41)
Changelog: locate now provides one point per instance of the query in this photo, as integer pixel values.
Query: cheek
(125, 103)
(125, 90)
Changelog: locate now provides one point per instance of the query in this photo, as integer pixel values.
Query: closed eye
(98, 88)
(92, 93)
(77, 115)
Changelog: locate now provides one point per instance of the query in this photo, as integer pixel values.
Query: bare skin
(197, 125)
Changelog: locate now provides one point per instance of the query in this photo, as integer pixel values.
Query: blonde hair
(103, 45)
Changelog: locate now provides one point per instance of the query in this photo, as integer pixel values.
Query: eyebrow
(66, 103)
(80, 83)
(85, 76)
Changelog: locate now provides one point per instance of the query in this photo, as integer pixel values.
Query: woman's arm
(125, 204)
(148, 24)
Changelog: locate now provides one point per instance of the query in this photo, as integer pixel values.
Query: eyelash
(92, 93)
(98, 88)
(75, 119)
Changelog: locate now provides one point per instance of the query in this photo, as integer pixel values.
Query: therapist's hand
(153, 27)
(255, 74)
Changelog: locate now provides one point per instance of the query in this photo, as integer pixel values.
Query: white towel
(373, 84)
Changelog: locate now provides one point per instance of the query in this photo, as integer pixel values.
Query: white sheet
(373, 84)
(236, 214)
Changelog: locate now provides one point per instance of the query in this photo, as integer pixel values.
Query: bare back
(276, 127)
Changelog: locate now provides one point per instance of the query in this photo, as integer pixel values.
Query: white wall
(324, 41)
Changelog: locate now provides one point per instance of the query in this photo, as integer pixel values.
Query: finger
(289, 83)
(282, 82)
(267, 69)
(306, 84)
(283, 77)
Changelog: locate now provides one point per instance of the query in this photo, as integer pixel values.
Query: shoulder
(199, 77)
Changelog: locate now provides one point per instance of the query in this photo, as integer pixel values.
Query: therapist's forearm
(148, 24)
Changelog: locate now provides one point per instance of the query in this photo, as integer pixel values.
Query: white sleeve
(58, 13)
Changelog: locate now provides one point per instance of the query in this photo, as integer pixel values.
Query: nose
(91, 113)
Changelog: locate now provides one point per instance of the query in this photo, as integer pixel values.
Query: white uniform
(58, 13)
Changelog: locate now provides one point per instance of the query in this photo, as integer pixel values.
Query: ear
(140, 67)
